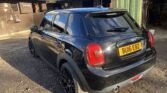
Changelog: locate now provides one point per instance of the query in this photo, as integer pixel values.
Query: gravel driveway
(21, 73)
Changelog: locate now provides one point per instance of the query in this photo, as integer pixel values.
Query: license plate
(125, 50)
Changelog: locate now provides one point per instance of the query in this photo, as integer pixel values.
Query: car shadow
(15, 52)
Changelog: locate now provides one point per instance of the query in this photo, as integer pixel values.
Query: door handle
(42, 37)
(58, 42)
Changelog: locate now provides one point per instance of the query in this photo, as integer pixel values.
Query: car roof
(85, 10)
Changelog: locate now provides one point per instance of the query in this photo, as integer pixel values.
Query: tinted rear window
(104, 23)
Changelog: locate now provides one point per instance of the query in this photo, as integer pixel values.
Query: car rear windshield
(102, 24)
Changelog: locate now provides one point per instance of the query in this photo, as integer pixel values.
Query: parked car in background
(97, 50)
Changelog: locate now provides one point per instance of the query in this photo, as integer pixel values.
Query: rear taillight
(95, 55)
(151, 39)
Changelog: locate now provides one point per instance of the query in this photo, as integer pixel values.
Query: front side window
(47, 22)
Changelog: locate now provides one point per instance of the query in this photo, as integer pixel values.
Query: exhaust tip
(116, 90)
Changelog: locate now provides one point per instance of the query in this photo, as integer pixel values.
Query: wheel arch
(65, 58)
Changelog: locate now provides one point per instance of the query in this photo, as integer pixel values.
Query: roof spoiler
(121, 11)
(110, 11)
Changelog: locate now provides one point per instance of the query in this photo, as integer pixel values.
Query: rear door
(46, 26)
(38, 37)
(52, 39)
(120, 37)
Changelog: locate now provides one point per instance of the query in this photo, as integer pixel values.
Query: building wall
(18, 16)
(37, 18)
(7, 27)
(14, 20)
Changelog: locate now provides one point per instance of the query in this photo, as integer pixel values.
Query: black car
(97, 50)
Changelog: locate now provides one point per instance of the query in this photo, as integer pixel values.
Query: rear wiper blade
(118, 29)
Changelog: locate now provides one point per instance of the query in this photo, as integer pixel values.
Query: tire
(32, 49)
(68, 80)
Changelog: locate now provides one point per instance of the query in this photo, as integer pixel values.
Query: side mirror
(40, 28)
(34, 28)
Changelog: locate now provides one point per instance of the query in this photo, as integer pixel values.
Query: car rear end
(120, 53)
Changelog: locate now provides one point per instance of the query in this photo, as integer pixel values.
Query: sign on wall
(25, 8)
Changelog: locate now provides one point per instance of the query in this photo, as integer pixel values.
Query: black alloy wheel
(32, 49)
(67, 81)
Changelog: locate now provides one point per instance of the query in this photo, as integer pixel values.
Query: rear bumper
(116, 87)
(101, 81)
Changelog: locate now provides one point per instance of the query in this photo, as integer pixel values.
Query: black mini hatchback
(97, 50)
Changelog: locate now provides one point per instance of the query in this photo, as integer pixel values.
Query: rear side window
(75, 25)
(109, 23)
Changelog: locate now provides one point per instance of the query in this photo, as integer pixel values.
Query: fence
(134, 7)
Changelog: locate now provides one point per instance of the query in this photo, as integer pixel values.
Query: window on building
(39, 7)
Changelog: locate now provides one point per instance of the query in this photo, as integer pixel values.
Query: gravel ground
(21, 73)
